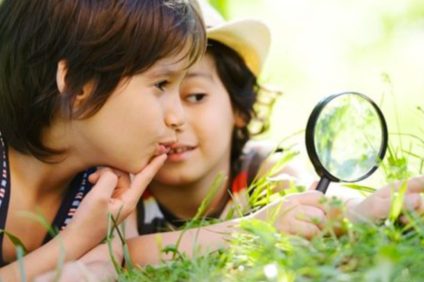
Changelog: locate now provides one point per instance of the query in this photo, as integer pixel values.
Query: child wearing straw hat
(218, 95)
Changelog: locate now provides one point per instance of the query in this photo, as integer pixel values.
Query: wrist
(75, 243)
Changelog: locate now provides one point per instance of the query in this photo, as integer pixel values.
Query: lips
(161, 149)
(180, 149)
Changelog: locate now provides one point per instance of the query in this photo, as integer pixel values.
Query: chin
(175, 179)
(134, 166)
(139, 167)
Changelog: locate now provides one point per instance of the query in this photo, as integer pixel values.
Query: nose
(175, 116)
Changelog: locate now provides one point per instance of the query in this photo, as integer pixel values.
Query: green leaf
(15, 240)
(397, 202)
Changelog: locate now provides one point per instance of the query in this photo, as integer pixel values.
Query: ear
(83, 94)
(61, 72)
(239, 120)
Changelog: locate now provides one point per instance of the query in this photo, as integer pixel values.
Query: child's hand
(297, 214)
(113, 193)
(376, 207)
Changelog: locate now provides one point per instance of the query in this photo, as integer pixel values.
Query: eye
(161, 85)
(195, 98)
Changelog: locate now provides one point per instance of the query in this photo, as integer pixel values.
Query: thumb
(312, 198)
(313, 185)
(105, 185)
(94, 177)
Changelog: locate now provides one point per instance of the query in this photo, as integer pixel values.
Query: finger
(105, 185)
(411, 202)
(124, 181)
(123, 185)
(416, 184)
(378, 209)
(142, 179)
(314, 185)
(312, 198)
(92, 178)
(304, 229)
(312, 215)
(420, 209)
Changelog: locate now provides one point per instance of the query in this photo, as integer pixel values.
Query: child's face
(204, 142)
(136, 119)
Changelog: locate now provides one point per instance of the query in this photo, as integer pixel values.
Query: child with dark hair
(84, 84)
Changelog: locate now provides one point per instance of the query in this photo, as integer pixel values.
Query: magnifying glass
(346, 138)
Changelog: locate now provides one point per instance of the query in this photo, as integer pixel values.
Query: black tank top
(78, 188)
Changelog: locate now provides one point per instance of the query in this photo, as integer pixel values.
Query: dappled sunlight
(325, 47)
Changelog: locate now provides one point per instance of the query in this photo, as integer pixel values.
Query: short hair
(101, 41)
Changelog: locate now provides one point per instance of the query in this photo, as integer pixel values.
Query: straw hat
(248, 37)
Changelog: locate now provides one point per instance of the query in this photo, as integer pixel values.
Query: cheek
(215, 134)
(149, 113)
(213, 119)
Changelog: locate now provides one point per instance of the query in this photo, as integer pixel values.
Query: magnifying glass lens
(346, 137)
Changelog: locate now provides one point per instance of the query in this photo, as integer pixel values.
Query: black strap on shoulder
(77, 190)
(4, 192)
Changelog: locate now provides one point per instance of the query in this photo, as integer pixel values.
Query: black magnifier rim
(310, 144)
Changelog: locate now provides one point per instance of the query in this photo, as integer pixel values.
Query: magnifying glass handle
(323, 184)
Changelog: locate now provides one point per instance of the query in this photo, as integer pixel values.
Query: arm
(300, 214)
(68, 244)
(374, 208)
(93, 266)
(147, 249)
(113, 193)
(377, 206)
(75, 240)
(96, 264)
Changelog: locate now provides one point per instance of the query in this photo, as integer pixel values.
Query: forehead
(172, 64)
(204, 67)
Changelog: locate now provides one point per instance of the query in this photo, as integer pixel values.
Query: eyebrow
(199, 74)
(165, 69)
(162, 71)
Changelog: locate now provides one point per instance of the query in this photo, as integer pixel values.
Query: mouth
(180, 149)
(162, 149)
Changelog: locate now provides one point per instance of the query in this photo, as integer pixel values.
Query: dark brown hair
(248, 98)
(242, 87)
(101, 41)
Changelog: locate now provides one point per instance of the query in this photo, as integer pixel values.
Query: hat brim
(250, 38)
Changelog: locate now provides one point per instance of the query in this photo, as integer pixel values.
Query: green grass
(259, 253)
(388, 251)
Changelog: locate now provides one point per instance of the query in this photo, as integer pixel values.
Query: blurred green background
(328, 46)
